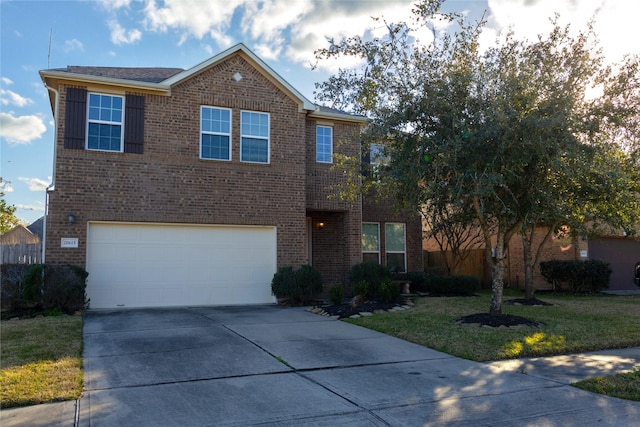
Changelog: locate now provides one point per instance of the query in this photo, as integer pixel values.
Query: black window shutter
(134, 124)
(75, 123)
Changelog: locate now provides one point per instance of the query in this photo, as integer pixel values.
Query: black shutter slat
(134, 124)
(76, 118)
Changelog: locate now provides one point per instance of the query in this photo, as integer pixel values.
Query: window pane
(394, 235)
(370, 240)
(255, 124)
(395, 262)
(104, 137)
(370, 257)
(254, 150)
(215, 147)
(324, 144)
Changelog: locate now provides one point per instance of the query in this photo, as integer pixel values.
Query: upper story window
(378, 156)
(105, 122)
(215, 133)
(324, 144)
(254, 137)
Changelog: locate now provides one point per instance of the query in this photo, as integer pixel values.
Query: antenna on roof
(49, 52)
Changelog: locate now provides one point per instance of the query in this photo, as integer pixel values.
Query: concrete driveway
(269, 365)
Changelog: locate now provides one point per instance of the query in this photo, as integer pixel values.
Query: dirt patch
(527, 301)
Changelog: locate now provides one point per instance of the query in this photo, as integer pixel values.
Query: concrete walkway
(269, 365)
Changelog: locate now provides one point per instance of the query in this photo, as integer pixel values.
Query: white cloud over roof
(21, 129)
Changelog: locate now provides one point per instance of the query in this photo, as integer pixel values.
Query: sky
(36, 35)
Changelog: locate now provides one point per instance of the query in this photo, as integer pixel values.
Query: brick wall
(170, 184)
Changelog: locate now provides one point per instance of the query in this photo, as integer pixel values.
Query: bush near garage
(298, 286)
(579, 277)
(373, 274)
(57, 288)
(336, 293)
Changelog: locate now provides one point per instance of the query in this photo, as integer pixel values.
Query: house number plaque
(69, 242)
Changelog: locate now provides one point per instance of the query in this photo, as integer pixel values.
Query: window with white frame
(215, 133)
(105, 122)
(254, 137)
(324, 144)
(395, 246)
(370, 242)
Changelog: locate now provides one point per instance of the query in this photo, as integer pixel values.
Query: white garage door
(137, 265)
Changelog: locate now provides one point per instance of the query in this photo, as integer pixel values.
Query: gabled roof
(18, 235)
(161, 80)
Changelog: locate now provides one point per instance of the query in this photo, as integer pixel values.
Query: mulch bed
(501, 321)
(348, 310)
(527, 301)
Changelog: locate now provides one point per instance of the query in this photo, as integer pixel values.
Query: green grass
(571, 324)
(624, 386)
(40, 360)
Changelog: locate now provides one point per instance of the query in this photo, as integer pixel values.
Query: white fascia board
(318, 114)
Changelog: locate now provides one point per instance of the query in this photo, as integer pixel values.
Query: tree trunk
(497, 277)
(528, 266)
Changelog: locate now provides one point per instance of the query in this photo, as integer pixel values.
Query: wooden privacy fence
(22, 253)
(474, 264)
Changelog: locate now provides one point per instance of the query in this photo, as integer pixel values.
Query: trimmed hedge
(299, 285)
(45, 287)
(577, 276)
(452, 285)
(373, 274)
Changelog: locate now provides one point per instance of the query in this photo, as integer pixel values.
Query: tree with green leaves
(8, 219)
(506, 138)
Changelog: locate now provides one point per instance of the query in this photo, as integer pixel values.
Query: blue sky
(37, 35)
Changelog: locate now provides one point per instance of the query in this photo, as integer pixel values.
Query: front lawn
(40, 360)
(572, 324)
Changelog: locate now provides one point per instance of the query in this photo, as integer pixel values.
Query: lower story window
(371, 242)
(395, 246)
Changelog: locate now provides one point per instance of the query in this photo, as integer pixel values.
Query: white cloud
(115, 4)
(121, 36)
(21, 129)
(73, 44)
(33, 208)
(7, 81)
(192, 18)
(36, 184)
(614, 21)
(6, 187)
(9, 97)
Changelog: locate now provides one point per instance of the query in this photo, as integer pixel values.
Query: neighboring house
(191, 187)
(620, 251)
(20, 246)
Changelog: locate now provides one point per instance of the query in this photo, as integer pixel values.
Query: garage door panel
(139, 265)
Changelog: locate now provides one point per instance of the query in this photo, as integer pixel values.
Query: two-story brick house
(191, 187)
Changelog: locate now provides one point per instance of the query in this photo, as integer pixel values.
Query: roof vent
(237, 76)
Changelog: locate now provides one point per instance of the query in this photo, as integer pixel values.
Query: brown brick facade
(169, 183)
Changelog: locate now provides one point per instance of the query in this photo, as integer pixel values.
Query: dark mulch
(347, 310)
(504, 320)
(527, 301)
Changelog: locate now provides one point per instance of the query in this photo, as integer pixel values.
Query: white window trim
(331, 145)
(404, 239)
(202, 107)
(86, 132)
(268, 138)
(379, 243)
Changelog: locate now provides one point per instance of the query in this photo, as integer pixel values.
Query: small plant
(388, 291)
(299, 286)
(372, 273)
(336, 293)
(361, 288)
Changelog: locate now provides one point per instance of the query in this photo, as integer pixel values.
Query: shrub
(299, 285)
(418, 281)
(577, 276)
(361, 288)
(372, 273)
(452, 285)
(49, 287)
(336, 293)
(388, 291)
(11, 285)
